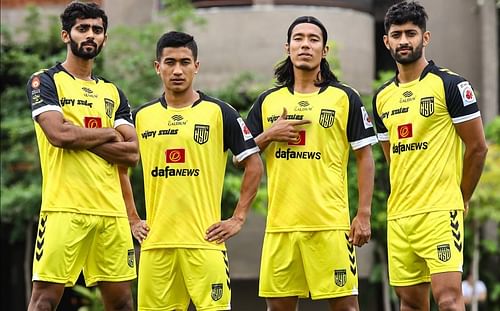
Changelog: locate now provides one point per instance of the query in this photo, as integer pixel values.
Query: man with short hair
(86, 141)
(423, 115)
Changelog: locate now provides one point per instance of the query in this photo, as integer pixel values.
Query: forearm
(472, 168)
(263, 140)
(121, 153)
(79, 138)
(249, 186)
(366, 174)
(128, 196)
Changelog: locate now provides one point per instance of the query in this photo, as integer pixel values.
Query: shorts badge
(130, 258)
(340, 277)
(216, 291)
(444, 252)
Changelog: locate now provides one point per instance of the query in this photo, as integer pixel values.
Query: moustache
(404, 47)
(89, 42)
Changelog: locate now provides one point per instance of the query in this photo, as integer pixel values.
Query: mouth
(307, 55)
(177, 81)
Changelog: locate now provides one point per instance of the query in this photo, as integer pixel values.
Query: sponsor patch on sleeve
(244, 129)
(468, 96)
(367, 122)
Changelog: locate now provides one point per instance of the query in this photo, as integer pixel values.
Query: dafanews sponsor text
(171, 172)
(291, 154)
(400, 148)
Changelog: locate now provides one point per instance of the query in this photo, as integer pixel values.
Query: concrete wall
(236, 40)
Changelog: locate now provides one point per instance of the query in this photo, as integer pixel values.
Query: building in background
(249, 35)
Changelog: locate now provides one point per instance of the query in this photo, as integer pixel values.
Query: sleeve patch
(468, 96)
(244, 129)
(367, 122)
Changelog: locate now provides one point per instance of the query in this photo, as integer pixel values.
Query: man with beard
(86, 141)
(423, 115)
(305, 128)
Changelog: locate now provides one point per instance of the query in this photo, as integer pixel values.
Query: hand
(286, 130)
(139, 230)
(360, 232)
(119, 137)
(223, 230)
(466, 209)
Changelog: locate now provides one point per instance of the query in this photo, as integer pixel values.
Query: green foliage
(492, 131)
(179, 12)
(21, 180)
(91, 296)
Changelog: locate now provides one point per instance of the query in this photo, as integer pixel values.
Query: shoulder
(449, 77)
(144, 106)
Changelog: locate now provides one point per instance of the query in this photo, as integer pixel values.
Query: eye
(98, 29)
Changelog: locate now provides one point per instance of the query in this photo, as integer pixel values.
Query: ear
(196, 66)
(325, 50)
(156, 64)
(386, 42)
(65, 37)
(426, 38)
(287, 48)
(105, 40)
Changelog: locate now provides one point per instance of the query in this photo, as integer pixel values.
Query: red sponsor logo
(92, 122)
(301, 140)
(405, 131)
(35, 82)
(175, 155)
(468, 94)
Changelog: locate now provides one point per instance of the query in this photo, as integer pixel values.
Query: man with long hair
(305, 127)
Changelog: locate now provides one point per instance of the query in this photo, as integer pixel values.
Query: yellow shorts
(424, 244)
(170, 277)
(322, 263)
(66, 243)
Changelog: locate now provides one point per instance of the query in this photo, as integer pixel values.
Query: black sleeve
(254, 118)
(378, 120)
(237, 136)
(460, 98)
(359, 125)
(42, 94)
(123, 111)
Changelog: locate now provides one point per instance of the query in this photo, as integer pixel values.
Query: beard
(412, 56)
(82, 52)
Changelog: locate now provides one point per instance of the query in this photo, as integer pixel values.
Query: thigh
(414, 297)
(45, 296)
(206, 275)
(406, 268)
(329, 263)
(161, 283)
(447, 289)
(116, 295)
(439, 240)
(282, 270)
(111, 257)
(61, 246)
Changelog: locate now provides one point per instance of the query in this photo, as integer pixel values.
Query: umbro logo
(177, 117)
(407, 94)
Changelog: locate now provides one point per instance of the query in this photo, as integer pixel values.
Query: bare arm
(63, 134)
(472, 134)
(386, 148)
(125, 152)
(360, 232)
(138, 227)
(225, 229)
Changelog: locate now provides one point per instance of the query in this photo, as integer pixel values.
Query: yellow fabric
(170, 277)
(322, 263)
(101, 245)
(424, 244)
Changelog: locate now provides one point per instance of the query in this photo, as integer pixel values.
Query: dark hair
(310, 20)
(176, 39)
(284, 70)
(403, 12)
(82, 10)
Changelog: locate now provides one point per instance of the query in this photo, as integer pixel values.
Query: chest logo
(427, 106)
(201, 133)
(175, 156)
(109, 105)
(405, 131)
(92, 122)
(326, 118)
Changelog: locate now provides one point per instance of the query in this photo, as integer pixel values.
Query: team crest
(109, 105)
(130, 258)
(326, 118)
(201, 133)
(427, 106)
(340, 277)
(216, 291)
(444, 252)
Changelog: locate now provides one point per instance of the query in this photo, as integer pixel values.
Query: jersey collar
(61, 68)
(163, 101)
(426, 70)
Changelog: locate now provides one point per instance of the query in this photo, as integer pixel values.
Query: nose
(177, 69)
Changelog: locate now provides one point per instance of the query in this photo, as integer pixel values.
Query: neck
(304, 81)
(78, 67)
(181, 99)
(412, 71)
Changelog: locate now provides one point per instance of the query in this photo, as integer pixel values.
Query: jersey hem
(294, 229)
(429, 210)
(191, 246)
(66, 210)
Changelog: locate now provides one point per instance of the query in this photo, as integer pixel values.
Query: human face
(406, 42)
(87, 37)
(176, 69)
(306, 47)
